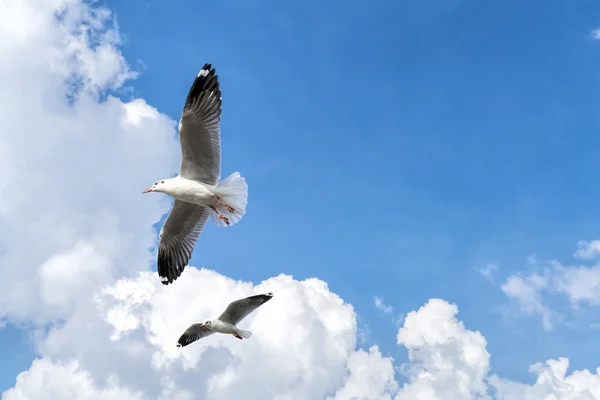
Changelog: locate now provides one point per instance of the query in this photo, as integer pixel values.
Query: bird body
(219, 326)
(189, 190)
(197, 191)
(227, 322)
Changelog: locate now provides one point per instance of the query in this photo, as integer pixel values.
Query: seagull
(197, 190)
(226, 323)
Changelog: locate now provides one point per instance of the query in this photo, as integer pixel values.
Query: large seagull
(197, 190)
(226, 323)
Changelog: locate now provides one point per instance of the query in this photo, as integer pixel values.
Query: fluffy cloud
(76, 237)
(71, 166)
(447, 361)
(48, 380)
(303, 345)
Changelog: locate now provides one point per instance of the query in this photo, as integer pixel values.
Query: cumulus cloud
(71, 165)
(303, 344)
(77, 235)
(447, 361)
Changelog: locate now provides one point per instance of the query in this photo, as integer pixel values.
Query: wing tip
(266, 296)
(206, 69)
(168, 271)
(206, 81)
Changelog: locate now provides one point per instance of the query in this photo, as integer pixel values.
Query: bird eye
(155, 183)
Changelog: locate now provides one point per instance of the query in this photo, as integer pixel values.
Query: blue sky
(392, 149)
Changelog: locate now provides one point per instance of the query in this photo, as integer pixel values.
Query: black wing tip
(168, 271)
(206, 81)
(206, 70)
(185, 340)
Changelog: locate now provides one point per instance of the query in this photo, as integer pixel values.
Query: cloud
(380, 305)
(77, 235)
(587, 249)
(71, 166)
(554, 282)
(527, 292)
(123, 345)
(552, 383)
(447, 361)
(303, 344)
(595, 34)
(49, 380)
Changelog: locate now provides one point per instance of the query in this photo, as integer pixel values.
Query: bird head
(158, 186)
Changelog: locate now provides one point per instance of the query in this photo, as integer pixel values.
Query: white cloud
(71, 167)
(48, 380)
(380, 305)
(447, 361)
(76, 234)
(552, 383)
(587, 249)
(303, 343)
(577, 284)
(595, 34)
(527, 292)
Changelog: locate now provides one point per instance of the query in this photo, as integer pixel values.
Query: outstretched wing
(199, 130)
(240, 309)
(178, 237)
(193, 333)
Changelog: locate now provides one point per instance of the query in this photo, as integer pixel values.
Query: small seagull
(197, 190)
(226, 323)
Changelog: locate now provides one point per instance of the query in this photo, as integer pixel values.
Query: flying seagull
(226, 323)
(197, 190)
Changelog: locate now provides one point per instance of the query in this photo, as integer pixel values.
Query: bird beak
(147, 190)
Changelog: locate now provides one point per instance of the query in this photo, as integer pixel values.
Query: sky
(422, 199)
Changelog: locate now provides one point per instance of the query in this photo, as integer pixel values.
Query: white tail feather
(243, 333)
(233, 191)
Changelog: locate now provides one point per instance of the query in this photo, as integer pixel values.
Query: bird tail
(243, 333)
(233, 191)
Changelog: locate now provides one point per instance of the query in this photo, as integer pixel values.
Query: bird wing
(178, 237)
(193, 333)
(199, 131)
(240, 309)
